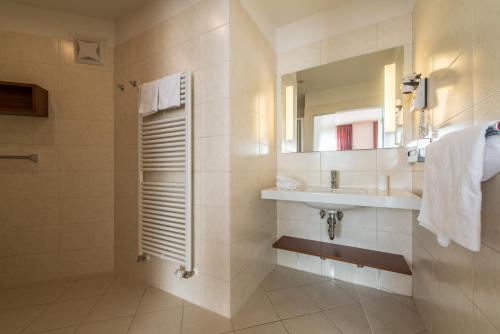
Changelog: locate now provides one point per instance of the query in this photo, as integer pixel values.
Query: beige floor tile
(115, 306)
(304, 277)
(406, 301)
(379, 327)
(394, 315)
(123, 284)
(36, 295)
(279, 278)
(158, 300)
(256, 311)
(62, 314)
(326, 295)
(272, 328)
(292, 302)
(350, 319)
(15, 320)
(113, 326)
(89, 287)
(163, 322)
(316, 323)
(360, 292)
(67, 330)
(200, 321)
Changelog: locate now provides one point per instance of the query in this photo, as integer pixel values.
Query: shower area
(74, 213)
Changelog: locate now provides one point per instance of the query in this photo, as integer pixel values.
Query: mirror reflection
(353, 104)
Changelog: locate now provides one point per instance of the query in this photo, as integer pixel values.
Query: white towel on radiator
(148, 98)
(451, 202)
(169, 92)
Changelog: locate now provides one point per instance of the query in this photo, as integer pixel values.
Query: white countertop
(395, 199)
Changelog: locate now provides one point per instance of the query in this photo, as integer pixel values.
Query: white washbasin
(334, 206)
(345, 198)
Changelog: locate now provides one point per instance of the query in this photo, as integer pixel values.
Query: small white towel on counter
(169, 92)
(287, 183)
(451, 202)
(148, 98)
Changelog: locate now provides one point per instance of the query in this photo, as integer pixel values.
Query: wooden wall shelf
(22, 99)
(359, 256)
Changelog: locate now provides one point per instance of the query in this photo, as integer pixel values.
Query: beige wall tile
(179, 28)
(88, 235)
(33, 131)
(299, 59)
(85, 133)
(86, 261)
(213, 14)
(144, 45)
(395, 32)
(44, 75)
(28, 48)
(28, 240)
(96, 159)
(75, 106)
(86, 184)
(392, 160)
(354, 43)
(364, 160)
(214, 46)
(28, 269)
(486, 293)
(486, 58)
(19, 212)
(74, 79)
(28, 185)
(83, 210)
(453, 89)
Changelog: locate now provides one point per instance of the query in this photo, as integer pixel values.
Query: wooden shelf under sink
(359, 256)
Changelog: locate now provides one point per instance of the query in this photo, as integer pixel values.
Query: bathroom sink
(346, 198)
(334, 206)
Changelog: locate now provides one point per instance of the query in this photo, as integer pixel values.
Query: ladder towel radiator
(165, 183)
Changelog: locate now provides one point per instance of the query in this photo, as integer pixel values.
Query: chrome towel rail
(31, 157)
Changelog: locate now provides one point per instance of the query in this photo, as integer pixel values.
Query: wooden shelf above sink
(359, 256)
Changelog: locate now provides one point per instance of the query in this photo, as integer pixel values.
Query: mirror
(352, 104)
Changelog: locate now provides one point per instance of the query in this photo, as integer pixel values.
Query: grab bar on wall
(31, 157)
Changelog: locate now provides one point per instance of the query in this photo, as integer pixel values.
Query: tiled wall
(233, 150)
(379, 229)
(458, 291)
(56, 216)
(387, 230)
(195, 39)
(253, 154)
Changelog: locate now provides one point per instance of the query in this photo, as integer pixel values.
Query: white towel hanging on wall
(451, 202)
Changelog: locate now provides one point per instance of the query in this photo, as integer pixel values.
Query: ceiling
(102, 9)
(282, 12)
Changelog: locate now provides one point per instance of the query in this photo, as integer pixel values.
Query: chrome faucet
(334, 179)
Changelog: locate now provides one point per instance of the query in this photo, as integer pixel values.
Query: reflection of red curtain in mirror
(375, 134)
(344, 137)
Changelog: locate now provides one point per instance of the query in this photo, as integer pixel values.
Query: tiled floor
(288, 302)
